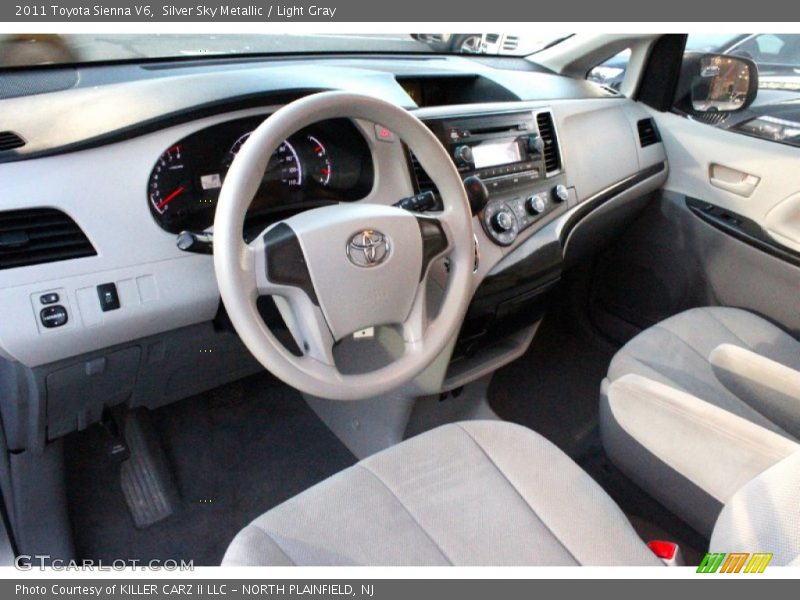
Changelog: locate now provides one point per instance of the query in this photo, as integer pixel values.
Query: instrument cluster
(326, 163)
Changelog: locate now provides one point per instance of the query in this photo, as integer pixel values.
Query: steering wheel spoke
(280, 271)
(436, 241)
(308, 326)
(416, 324)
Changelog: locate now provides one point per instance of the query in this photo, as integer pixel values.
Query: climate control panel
(504, 219)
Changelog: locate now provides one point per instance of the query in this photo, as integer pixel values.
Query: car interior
(402, 307)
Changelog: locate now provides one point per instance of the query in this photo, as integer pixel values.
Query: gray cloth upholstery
(677, 350)
(768, 386)
(690, 455)
(764, 515)
(473, 493)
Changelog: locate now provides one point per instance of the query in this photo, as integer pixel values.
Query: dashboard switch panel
(109, 299)
(54, 316)
(49, 298)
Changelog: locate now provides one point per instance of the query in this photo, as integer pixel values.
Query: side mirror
(720, 83)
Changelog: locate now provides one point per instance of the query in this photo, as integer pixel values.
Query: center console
(514, 155)
(514, 177)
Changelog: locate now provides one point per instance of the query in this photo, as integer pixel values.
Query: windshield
(24, 50)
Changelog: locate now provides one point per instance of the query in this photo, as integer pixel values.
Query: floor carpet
(235, 452)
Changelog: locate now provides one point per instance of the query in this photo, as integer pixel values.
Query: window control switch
(109, 299)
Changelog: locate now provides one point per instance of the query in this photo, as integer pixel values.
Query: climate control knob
(535, 205)
(503, 221)
(560, 193)
(463, 155)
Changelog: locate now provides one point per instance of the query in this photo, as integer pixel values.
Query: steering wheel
(340, 269)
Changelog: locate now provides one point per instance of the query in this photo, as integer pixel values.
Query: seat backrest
(764, 515)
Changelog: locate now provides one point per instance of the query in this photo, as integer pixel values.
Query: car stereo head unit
(504, 150)
(511, 169)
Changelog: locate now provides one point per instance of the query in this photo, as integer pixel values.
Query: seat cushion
(677, 350)
(473, 493)
(764, 516)
(690, 455)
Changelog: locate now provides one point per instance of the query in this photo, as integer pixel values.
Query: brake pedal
(147, 482)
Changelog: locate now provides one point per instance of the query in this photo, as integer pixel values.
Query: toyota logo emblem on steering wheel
(368, 248)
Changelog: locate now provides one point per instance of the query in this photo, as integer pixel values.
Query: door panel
(675, 256)
(670, 260)
(774, 202)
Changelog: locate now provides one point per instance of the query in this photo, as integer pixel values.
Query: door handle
(732, 180)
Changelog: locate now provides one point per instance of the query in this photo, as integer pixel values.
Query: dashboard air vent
(10, 140)
(40, 235)
(648, 134)
(547, 131)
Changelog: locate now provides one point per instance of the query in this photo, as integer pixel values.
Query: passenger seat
(697, 351)
(691, 388)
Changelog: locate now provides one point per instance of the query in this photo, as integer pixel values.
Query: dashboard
(326, 163)
(111, 300)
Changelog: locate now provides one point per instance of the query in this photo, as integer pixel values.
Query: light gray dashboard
(102, 187)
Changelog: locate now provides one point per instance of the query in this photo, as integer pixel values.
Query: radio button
(463, 155)
(534, 144)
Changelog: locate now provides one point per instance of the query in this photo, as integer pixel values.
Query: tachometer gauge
(322, 169)
(170, 182)
(284, 164)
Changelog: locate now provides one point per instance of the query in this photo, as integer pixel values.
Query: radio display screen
(490, 155)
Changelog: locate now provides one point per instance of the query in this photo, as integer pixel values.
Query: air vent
(648, 134)
(423, 180)
(491, 38)
(547, 131)
(10, 140)
(40, 235)
(510, 43)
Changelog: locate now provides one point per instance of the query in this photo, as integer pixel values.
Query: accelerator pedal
(147, 481)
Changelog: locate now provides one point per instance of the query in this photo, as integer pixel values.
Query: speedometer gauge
(284, 164)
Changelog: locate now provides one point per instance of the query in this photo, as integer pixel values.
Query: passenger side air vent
(648, 134)
(422, 179)
(547, 131)
(40, 235)
(10, 140)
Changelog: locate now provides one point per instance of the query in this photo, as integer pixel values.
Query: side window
(611, 72)
(721, 92)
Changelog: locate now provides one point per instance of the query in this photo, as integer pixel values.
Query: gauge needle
(171, 197)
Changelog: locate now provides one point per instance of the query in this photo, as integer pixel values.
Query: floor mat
(236, 452)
